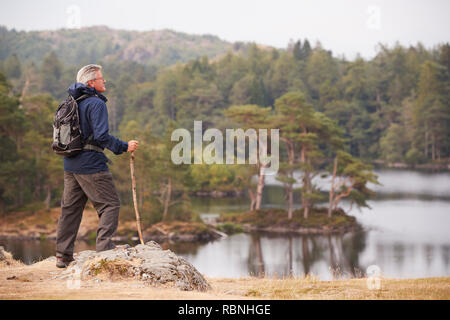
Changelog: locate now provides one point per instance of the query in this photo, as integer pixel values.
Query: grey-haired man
(86, 175)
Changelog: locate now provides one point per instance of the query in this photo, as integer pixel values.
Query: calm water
(406, 234)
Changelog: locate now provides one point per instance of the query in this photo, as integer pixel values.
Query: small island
(277, 221)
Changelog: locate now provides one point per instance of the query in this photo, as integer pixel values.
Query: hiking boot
(62, 262)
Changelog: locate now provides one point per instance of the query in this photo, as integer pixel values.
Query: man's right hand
(132, 145)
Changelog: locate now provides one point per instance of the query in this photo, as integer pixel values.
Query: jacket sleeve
(99, 123)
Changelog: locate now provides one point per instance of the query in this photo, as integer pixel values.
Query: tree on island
(253, 117)
(305, 133)
(173, 179)
(349, 179)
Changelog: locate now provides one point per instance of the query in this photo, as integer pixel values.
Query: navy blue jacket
(93, 119)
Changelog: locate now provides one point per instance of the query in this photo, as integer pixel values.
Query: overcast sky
(345, 26)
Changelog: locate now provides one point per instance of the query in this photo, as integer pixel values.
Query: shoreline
(202, 239)
(275, 221)
(41, 225)
(304, 231)
(403, 165)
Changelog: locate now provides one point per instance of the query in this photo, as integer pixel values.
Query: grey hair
(88, 73)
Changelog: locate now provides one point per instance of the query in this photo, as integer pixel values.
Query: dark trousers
(78, 188)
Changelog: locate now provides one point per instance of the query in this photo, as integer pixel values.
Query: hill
(100, 43)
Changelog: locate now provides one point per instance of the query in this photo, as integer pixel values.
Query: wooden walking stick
(133, 186)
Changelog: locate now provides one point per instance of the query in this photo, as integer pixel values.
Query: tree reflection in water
(255, 257)
(258, 254)
(304, 253)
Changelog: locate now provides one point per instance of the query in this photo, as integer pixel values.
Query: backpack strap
(84, 96)
(88, 146)
(91, 147)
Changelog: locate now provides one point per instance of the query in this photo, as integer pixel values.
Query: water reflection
(261, 254)
(182, 247)
(335, 255)
(327, 257)
(255, 256)
(31, 251)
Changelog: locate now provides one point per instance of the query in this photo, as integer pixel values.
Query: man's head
(91, 75)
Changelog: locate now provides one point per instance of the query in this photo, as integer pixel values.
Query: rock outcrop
(148, 263)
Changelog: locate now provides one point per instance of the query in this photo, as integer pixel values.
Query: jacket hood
(77, 89)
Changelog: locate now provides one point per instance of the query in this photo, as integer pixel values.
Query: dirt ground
(37, 281)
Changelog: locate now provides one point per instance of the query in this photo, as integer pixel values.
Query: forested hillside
(394, 107)
(79, 46)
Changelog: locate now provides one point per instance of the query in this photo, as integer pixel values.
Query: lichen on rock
(147, 262)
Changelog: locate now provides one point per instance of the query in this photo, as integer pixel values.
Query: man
(86, 175)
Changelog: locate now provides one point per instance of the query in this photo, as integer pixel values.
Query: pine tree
(432, 111)
(295, 118)
(51, 72)
(13, 67)
(253, 117)
(349, 179)
(297, 52)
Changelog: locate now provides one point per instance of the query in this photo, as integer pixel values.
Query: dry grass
(35, 282)
(111, 270)
(7, 260)
(312, 288)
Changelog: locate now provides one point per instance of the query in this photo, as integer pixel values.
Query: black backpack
(67, 137)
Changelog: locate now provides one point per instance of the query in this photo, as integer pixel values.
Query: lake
(406, 235)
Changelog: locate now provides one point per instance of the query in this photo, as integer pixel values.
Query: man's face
(98, 83)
